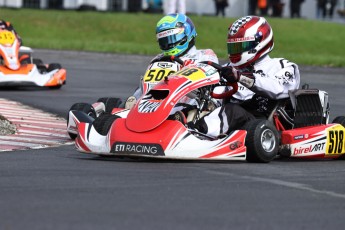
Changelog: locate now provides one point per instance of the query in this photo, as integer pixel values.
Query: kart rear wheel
(84, 107)
(41, 68)
(37, 61)
(262, 141)
(110, 103)
(51, 67)
(55, 87)
(339, 120)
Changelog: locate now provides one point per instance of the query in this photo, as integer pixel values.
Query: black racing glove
(228, 74)
(232, 75)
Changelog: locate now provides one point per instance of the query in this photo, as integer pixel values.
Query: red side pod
(301, 134)
(322, 141)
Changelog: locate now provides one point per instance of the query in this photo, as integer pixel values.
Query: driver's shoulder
(207, 52)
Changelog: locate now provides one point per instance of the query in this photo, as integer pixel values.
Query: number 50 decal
(335, 141)
(156, 75)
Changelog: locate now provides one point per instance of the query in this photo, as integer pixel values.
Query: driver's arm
(277, 86)
(209, 55)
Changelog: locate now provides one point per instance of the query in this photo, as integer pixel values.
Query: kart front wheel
(102, 124)
(53, 66)
(110, 103)
(262, 141)
(83, 107)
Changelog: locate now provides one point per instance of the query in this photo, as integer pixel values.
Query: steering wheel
(169, 59)
(226, 94)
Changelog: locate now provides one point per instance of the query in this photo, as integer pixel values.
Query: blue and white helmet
(175, 34)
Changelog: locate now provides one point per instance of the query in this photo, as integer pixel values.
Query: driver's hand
(229, 74)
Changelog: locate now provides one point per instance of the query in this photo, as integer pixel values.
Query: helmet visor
(237, 47)
(168, 39)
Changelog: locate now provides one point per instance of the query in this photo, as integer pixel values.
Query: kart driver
(4, 25)
(261, 80)
(176, 36)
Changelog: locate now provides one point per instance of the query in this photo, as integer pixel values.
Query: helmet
(249, 38)
(175, 34)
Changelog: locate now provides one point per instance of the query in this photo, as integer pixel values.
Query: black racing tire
(103, 123)
(84, 107)
(55, 87)
(53, 66)
(37, 61)
(110, 103)
(42, 68)
(262, 141)
(339, 120)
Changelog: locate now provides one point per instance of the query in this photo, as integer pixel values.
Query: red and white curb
(36, 129)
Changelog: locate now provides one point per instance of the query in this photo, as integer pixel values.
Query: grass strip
(306, 42)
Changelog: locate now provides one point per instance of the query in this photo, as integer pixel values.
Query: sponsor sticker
(164, 65)
(298, 137)
(135, 148)
(309, 149)
(241, 39)
(235, 145)
(168, 33)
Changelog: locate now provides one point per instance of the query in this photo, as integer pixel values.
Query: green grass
(305, 42)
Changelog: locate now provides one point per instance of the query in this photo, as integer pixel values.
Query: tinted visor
(170, 38)
(240, 47)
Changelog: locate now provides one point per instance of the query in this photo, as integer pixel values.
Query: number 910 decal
(335, 140)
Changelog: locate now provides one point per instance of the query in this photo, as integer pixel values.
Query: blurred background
(311, 9)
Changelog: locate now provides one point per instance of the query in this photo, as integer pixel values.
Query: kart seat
(307, 106)
(303, 108)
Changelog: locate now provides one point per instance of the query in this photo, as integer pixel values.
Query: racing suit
(191, 57)
(271, 80)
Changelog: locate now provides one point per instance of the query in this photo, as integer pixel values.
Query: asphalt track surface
(59, 188)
